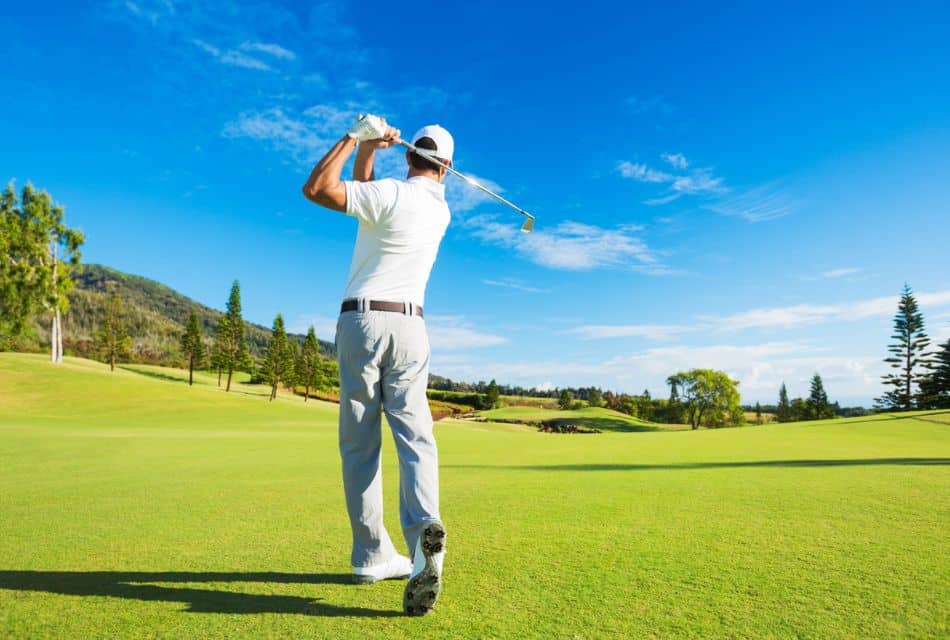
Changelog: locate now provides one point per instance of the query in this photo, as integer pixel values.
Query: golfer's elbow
(331, 196)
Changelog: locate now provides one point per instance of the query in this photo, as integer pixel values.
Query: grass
(135, 506)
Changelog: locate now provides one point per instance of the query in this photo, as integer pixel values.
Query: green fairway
(132, 505)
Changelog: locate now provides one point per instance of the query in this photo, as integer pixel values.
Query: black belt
(380, 305)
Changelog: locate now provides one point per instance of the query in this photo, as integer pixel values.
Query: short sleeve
(370, 202)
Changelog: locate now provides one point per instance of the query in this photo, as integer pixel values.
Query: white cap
(444, 144)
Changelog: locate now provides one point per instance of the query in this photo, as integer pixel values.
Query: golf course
(133, 505)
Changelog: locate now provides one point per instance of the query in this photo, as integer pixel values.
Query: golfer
(383, 350)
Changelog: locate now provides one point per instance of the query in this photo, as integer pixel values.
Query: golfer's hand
(373, 129)
(390, 136)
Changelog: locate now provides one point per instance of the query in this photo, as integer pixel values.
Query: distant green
(134, 506)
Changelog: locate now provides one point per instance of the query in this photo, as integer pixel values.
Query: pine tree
(565, 399)
(818, 406)
(235, 356)
(291, 364)
(275, 362)
(784, 410)
(113, 339)
(758, 413)
(310, 362)
(908, 355)
(935, 388)
(192, 346)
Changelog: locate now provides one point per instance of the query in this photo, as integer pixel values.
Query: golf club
(528, 225)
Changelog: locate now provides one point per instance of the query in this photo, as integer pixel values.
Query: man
(383, 350)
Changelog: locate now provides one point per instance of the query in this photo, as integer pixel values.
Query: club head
(528, 226)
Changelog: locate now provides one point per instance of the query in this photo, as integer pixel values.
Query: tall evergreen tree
(192, 346)
(292, 358)
(818, 405)
(275, 363)
(758, 413)
(310, 363)
(114, 341)
(565, 399)
(935, 388)
(784, 410)
(908, 355)
(235, 356)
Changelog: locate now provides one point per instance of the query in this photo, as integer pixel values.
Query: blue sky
(731, 188)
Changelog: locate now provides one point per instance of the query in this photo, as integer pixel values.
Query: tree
(310, 370)
(758, 413)
(565, 400)
(234, 355)
(219, 349)
(275, 362)
(818, 406)
(192, 346)
(34, 242)
(594, 398)
(291, 361)
(711, 397)
(908, 355)
(935, 388)
(114, 341)
(492, 395)
(783, 412)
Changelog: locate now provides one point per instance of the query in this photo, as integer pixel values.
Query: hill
(135, 506)
(156, 316)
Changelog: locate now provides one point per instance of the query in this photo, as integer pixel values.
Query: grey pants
(384, 366)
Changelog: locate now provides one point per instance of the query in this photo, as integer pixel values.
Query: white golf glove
(368, 127)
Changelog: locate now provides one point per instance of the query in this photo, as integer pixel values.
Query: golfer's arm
(324, 187)
(363, 165)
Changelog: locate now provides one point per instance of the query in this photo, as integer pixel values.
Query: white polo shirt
(402, 223)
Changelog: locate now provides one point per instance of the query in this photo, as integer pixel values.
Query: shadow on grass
(122, 584)
(154, 374)
(685, 466)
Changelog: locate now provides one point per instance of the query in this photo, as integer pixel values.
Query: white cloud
(642, 173)
(270, 49)
(545, 386)
(678, 160)
(452, 333)
(305, 137)
(700, 181)
(570, 245)
(792, 316)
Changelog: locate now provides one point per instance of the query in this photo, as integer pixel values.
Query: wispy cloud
(658, 332)
(305, 136)
(839, 273)
(570, 245)
(787, 317)
(462, 197)
(231, 57)
(517, 285)
(700, 180)
(642, 173)
(678, 160)
(271, 49)
(766, 202)
(453, 333)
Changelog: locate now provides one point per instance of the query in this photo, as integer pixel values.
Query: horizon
(773, 184)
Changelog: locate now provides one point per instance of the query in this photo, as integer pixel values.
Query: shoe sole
(371, 580)
(423, 590)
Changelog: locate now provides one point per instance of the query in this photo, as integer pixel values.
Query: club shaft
(425, 153)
